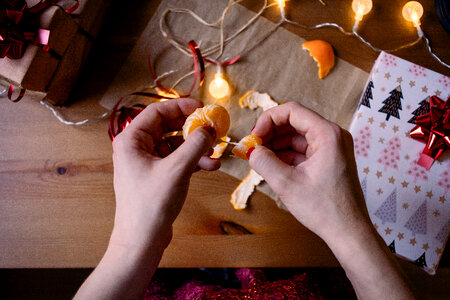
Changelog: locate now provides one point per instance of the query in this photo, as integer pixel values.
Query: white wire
(434, 55)
(3, 92)
(64, 121)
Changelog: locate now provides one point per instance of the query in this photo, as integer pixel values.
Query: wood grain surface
(56, 193)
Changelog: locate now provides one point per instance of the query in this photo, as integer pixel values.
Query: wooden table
(56, 192)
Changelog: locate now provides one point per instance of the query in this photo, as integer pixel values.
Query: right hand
(309, 163)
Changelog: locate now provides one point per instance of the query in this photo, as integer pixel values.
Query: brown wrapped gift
(36, 68)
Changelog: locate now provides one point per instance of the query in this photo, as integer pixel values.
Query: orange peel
(322, 53)
(254, 99)
(246, 143)
(219, 149)
(212, 115)
(244, 190)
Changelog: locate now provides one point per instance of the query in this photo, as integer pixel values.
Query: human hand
(309, 163)
(152, 173)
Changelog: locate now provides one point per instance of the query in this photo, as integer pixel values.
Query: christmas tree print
(417, 223)
(392, 246)
(443, 233)
(387, 212)
(424, 108)
(362, 142)
(393, 104)
(421, 262)
(391, 154)
(418, 172)
(367, 95)
(364, 187)
(444, 181)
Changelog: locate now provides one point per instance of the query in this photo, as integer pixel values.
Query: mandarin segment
(247, 142)
(212, 115)
(323, 54)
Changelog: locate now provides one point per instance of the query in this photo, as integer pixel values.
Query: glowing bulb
(361, 8)
(219, 88)
(281, 3)
(413, 11)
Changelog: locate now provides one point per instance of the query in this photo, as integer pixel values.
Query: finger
(271, 168)
(159, 114)
(302, 119)
(194, 147)
(175, 124)
(290, 157)
(289, 141)
(209, 152)
(208, 164)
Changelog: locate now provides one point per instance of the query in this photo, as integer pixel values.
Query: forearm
(125, 270)
(368, 263)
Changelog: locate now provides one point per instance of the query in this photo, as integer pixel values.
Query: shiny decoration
(412, 11)
(219, 87)
(361, 8)
(433, 128)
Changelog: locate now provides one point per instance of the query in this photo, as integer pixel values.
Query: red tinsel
(433, 128)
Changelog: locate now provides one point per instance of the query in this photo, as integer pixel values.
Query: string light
(412, 11)
(282, 5)
(219, 87)
(361, 8)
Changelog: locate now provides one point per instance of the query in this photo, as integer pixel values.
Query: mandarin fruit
(210, 115)
(247, 142)
(323, 54)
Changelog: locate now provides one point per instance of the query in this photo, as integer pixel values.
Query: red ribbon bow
(433, 128)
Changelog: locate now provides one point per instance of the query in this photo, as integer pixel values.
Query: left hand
(152, 173)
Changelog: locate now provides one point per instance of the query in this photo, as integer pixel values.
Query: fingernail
(253, 128)
(211, 131)
(249, 152)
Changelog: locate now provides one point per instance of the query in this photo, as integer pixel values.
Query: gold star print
(380, 191)
(395, 129)
(413, 241)
(407, 134)
(359, 115)
(400, 79)
(407, 157)
(375, 71)
(408, 107)
(412, 83)
(442, 199)
(370, 120)
(405, 205)
(379, 174)
(405, 184)
(437, 92)
(430, 194)
(425, 89)
(388, 230)
(381, 141)
(383, 125)
(438, 251)
(436, 213)
(425, 246)
(375, 225)
(383, 89)
(387, 75)
(400, 236)
(366, 170)
(417, 188)
(392, 179)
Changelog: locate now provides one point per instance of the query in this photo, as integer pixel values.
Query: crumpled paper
(272, 62)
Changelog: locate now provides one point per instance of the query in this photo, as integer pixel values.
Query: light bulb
(413, 11)
(219, 88)
(281, 3)
(361, 7)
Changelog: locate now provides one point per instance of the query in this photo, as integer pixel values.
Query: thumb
(194, 147)
(275, 172)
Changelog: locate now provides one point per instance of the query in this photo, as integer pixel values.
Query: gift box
(407, 202)
(53, 68)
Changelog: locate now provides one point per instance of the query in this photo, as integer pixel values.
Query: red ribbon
(433, 128)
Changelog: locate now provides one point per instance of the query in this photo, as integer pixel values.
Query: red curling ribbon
(225, 63)
(11, 91)
(433, 129)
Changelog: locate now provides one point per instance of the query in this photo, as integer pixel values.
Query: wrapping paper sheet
(273, 63)
(407, 203)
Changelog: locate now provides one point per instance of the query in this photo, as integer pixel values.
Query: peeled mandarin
(247, 142)
(210, 115)
(323, 54)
